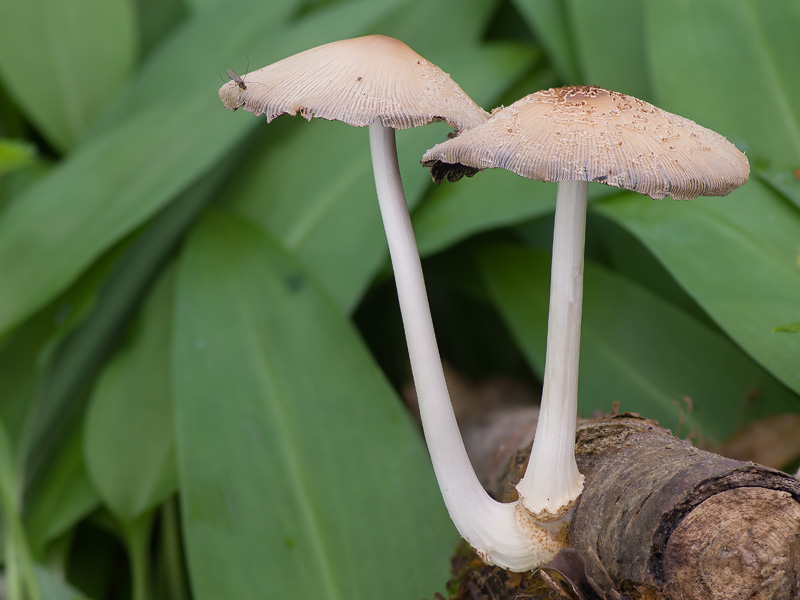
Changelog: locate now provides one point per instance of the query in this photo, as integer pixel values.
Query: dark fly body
(235, 78)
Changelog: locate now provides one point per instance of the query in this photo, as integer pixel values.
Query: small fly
(234, 76)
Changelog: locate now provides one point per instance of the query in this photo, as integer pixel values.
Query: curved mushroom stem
(494, 529)
(552, 482)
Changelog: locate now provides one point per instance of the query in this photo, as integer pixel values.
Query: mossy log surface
(659, 518)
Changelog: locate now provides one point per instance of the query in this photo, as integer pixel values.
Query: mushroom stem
(552, 482)
(491, 527)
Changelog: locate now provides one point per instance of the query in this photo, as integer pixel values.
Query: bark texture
(659, 518)
(656, 510)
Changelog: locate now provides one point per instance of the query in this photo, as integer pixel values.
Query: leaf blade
(735, 256)
(62, 223)
(704, 54)
(63, 63)
(129, 430)
(308, 428)
(636, 348)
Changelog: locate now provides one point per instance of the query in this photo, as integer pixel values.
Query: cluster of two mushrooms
(570, 135)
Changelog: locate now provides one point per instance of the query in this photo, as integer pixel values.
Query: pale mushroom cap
(356, 81)
(584, 133)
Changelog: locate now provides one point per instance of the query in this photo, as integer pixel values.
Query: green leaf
(157, 20)
(731, 65)
(638, 349)
(550, 23)
(15, 154)
(610, 41)
(60, 497)
(19, 579)
(77, 359)
(736, 256)
(28, 354)
(491, 199)
(20, 367)
(126, 174)
(12, 123)
(170, 578)
(62, 62)
(87, 203)
(311, 214)
(784, 181)
(187, 69)
(55, 588)
(301, 474)
(128, 435)
(465, 26)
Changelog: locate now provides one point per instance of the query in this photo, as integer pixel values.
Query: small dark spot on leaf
(289, 543)
(294, 282)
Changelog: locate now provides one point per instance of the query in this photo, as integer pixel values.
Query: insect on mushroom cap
(357, 81)
(587, 133)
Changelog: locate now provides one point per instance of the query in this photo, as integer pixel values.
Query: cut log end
(741, 543)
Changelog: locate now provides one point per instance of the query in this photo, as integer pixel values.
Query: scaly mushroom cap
(356, 81)
(585, 133)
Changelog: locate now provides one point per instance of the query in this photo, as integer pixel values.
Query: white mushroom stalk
(499, 532)
(552, 482)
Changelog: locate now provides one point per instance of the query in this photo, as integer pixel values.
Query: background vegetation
(200, 349)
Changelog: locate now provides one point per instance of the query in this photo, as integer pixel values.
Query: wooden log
(657, 511)
(659, 518)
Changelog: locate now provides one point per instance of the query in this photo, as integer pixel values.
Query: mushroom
(380, 82)
(574, 135)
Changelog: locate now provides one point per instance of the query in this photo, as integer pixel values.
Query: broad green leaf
(731, 65)
(26, 354)
(610, 244)
(187, 66)
(312, 215)
(784, 181)
(610, 41)
(122, 177)
(15, 154)
(157, 20)
(491, 199)
(128, 435)
(301, 474)
(202, 5)
(13, 184)
(60, 497)
(736, 256)
(637, 349)
(55, 588)
(19, 579)
(465, 27)
(91, 200)
(63, 61)
(76, 360)
(20, 365)
(549, 21)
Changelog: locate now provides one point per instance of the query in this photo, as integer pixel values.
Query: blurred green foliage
(187, 407)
